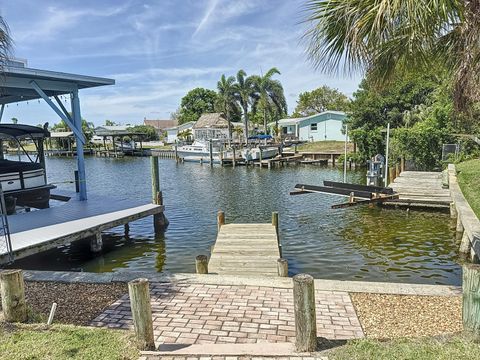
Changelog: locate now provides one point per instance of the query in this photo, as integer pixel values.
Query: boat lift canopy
(19, 83)
(20, 131)
(357, 194)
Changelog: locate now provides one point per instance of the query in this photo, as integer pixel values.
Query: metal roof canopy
(18, 83)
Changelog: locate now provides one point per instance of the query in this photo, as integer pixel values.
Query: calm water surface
(361, 243)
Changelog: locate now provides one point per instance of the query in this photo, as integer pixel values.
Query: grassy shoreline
(468, 179)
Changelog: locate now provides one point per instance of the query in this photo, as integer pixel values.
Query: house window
(313, 127)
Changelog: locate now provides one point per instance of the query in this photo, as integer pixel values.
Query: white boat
(198, 151)
(254, 153)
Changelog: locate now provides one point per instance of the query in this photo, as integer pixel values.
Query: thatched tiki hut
(212, 126)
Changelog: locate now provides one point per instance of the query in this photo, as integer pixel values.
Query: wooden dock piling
(96, 243)
(220, 219)
(201, 264)
(282, 265)
(160, 222)
(305, 313)
(471, 298)
(12, 291)
(139, 293)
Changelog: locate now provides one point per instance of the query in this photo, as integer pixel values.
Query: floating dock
(245, 249)
(41, 230)
(421, 189)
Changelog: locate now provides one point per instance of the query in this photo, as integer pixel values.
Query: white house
(172, 132)
(319, 127)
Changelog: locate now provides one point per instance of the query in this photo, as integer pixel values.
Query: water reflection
(357, 243)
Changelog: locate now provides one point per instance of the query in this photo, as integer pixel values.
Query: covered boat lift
(33, 232)
(19, 83)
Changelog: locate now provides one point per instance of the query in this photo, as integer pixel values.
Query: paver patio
(186, 313)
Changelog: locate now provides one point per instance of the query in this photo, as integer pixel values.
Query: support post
(142, 313)
(12, 291)
(459, 229)
(275, 221)
(305, 315)
(345, 155)
(155, 178)
(233, 160)
(282, 266)
(465, 245)
(96, 243)
(127, 229)
(201, 264)
(220, 219)
(453, 210)
(386, 155)
(77, 121)
(210, 151)
(402, 164)
(471, 298)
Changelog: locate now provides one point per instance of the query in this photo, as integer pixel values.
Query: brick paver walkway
(200, 314)
(196, 357)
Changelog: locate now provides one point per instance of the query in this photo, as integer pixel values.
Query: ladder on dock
(246, 249)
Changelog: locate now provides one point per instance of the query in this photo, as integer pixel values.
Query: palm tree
(384, 37)
(268, 95)
(5, 41)
(244, 92)
(226, 102)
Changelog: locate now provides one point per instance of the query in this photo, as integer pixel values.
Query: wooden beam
(335, 191)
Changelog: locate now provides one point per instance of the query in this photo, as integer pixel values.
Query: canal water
(359, 243)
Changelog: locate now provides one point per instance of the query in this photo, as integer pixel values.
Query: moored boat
(198, 151)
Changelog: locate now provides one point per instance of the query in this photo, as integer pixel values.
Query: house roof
(181, 126)
(211, 120)
(323, 117)
(16, 82)
(160, 124)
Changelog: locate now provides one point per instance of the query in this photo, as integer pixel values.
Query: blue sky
(158, 50)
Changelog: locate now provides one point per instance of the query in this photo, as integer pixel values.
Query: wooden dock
(420, 189)
(40, 230)
(245, 249)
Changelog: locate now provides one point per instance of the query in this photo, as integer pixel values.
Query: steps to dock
(245, 249)
(421, 189)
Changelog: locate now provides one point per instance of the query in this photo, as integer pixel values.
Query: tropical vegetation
(257, 98)
(319, 100)
(195, 103)
(421, 61)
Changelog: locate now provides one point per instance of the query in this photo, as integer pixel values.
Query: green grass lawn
(329, 146)
(64, 342)
(457, 347)
(469, 181)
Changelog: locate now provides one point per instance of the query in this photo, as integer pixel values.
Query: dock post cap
(9, 272)
(303, 278)
(201, 258)
(138, 281)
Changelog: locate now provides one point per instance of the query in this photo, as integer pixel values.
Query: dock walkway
(421, 189)
(245, 249)
(41, 230)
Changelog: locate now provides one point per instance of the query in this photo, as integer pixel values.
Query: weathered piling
(96, 243)
(142, 313)
(275, 220)
(155, 177)
(282, 265)
(210, 151)
(12, 291)
(471, 298)
(305, 314)
(220, 219)
(201, 264)
(160, 222)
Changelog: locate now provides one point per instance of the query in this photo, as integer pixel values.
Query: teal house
(324, 126)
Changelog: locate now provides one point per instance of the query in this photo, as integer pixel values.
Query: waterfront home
(172, 132)
(214, 126)
(160, 126)
(319, 127)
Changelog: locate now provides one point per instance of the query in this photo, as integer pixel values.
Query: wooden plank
(373, 189)
(250, 249)
(329, 190)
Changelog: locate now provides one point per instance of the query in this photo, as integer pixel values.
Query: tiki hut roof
(211, 120)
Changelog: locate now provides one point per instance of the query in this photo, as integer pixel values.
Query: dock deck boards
(245, 249)
(41, 230)
(421, 188)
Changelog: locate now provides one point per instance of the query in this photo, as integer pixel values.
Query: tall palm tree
(6, 42)
(244, 92)
(268, 95)
(384, 37)
(226, 102)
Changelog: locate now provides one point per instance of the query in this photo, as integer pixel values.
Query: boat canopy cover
(20, 131)
(260, 137)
